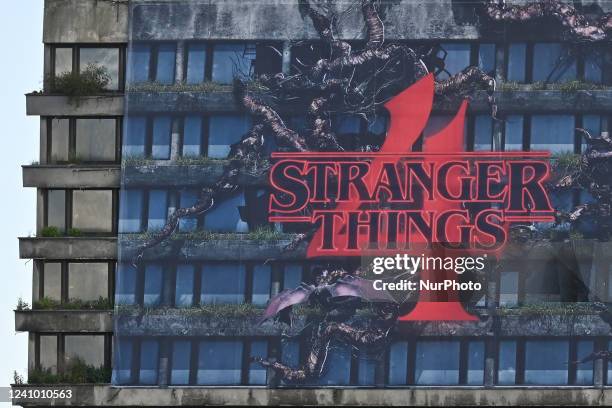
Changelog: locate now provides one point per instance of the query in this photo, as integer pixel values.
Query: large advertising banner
(349, 208)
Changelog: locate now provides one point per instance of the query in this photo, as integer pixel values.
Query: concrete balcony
(68, 248)
(105, 395)
(72, 176)
(38, 104)
(56, 321)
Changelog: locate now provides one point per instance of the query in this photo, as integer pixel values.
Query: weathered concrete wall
(85, 21)
(58, 105)
(54, 321)
(104, 395)
(82, 176)
(68, 248)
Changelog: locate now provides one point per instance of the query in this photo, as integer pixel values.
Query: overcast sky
(20, 72)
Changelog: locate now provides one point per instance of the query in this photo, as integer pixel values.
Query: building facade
(181, 325)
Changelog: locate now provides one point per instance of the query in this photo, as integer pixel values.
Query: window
(223, 283)
(261, 284)
(135, 137)
(366, 368)
(63, 61)
(292, 276)
(149, 356)
(130, 213)
(125, 293)
(162, 132)
(219, 362)
(225, 217)
(59, 140)
(437, 362)
(506, 372)
(153, 283)
(196, 63)
(140, 57)
(107, 58)
(187, 199)
(233, 60)
(546, 362)
(225, 130)
(513, 133)
(552, 62)
(338, 366)
(457, 58)
(184, 285)
(52, 280)
(88, 280)
(257, 373)
(56, 209)
(92, 210)
(584, 371)
(48, 353)
(122, 367)
(96, 139)
(483, 133)
(152, 62)
(87, 348)
(192, 136)
(181, 354)
(508, 288)
(486, 58)
(158, 209)
(148, 137)
(552, 132)
(592, 123)
(398, 363)
(593, 67)
(517, 54)
(476, 361)
(347, 124)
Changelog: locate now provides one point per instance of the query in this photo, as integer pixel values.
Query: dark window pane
(346, 124)
(593, 72)
(162, 130)
(125, 291)
(52, 285)
(158, 209)
(379, 125)
(584, 371)
(223, 283)
(225, 217)
(48, 353)
(516, 62)
(366, 370)
(88, 280)
(184, 285)
(181, 354)
(92, 210)
(122, 368)
(261, 284)
(219, 362)
(293, 276)
(166, 61)
(192, 136)
(107, 58)
(140, 57)
(338, 366)
(457, 59)
(592, 123)
(135, 135)
(258, 374)
(87, 348)
(60, 136)
(514, 133)
(56, 209)
(476, 360)
(95, 139)
(63, 61)
(398, 363)
(196, 63)
(153, 282)
(290, 354)
(486, 58)
(552, 132)
(232, 60)
(149, 356)
(507, 363)
(130, 212)
(433, 367)
(609, 377)
(483, 133)
(187, 199)
(546, 362)
(226, 130)
(508, 288)
(552, 63)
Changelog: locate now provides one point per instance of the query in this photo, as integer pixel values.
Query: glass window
(125, 291)
(593, 64)
(63, 61)
(584, 371)
(135, 136)
(87, 348)
(223, 283)
(149, 352)
(476, 361)
(506, 372)
(347, 124)
(158, 209)
(486, 58)
(88, 280)
(122, 368)
(609, 377)
(225, 217)
(192, 136)
(257, 373)
(552, 63)
(293, 276)
(52, 282)
(437, 363)
(162, 132)
(166, 61)
(92, 210)
(181, 354)
(546, 362)
(226, 130)
(398, 363)
(196, 63)
(232, 60)
(516, 62)
(483, 133)
(366, 369)
(290, 354)
(48, 353)
(130, 212)
(457, 59)
(187, 199)
(140, 61)
(60, 136)
(95, 139)
(508, 288)
(107, 58)
(513, 133)
(153, 282)
(553, 132)
(56, 209)
(592, 123)
(261, 284)
(379, 125)
(184, 285)
(337, 369)
(220, 362)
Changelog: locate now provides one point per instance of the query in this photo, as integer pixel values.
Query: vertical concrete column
(500, 64)
(180, 58)
(40, 210)
(175, 139)
(42, 157)
(277, 276)
(162, 371)
(286, 68)
(489, 368)
(47, 67)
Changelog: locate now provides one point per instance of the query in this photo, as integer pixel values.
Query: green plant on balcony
(74, 232)
(21, 304)
(76, 371)
(266, 233)
(46, 303)
(17, 378)
(90, 81)
(51, 231)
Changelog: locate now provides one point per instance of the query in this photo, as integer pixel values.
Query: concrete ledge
(105, 395)
(60, 105)
(71, 176)
(56, 321)
(68, 248)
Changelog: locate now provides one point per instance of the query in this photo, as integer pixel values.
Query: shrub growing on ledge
(73, 304)
(75, 372)
(22, 305)
(74, 232)
(92, 80)
(51, 232)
